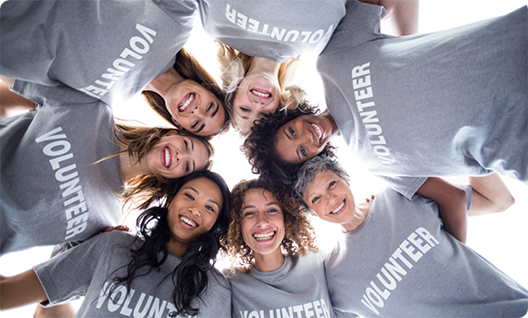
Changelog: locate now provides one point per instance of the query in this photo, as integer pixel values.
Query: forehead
(205, 187)
(320, 180)
(259, 195)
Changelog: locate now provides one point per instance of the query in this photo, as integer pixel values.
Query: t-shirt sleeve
(406, 186)
(60, 95)
(68, 275)
(360, 24)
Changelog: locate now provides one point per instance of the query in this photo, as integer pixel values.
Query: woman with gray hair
(395, 244)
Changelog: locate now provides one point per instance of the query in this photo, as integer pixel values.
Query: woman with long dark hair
(167, 270)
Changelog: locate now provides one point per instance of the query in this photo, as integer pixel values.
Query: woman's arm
(452, 204)
(21, 290)
(11, 103)
(402, 18)
(490, 194)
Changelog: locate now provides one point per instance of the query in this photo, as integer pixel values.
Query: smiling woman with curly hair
(271, 244)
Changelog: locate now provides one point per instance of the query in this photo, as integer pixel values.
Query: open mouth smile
(186, 102)
(264, 236)
(167, 159)
(338, 209)
(262, 94)
(318, 130)
(188, 221)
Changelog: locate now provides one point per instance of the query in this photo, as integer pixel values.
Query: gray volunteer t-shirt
(296, 289)
(109, 50)
(51, 190)
(89, 268)
(276, 29)
(400, 262)
(447, 103)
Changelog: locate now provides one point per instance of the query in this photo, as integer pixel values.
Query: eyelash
(209, 108)
(186, 167)
(186, 145)
(195, 124)
(246, 110)
(303, 151)
(315, 199)
(292, 132)
(189, 196)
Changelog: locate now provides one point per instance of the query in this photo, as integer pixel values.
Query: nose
(262, 219)
(194, 210)
(196, 110)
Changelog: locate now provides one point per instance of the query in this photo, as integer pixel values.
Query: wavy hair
(190, 276)
(234, 66)
(299, 236)
(189, 68)
(308, 172)
(259, 147)
(142, 190)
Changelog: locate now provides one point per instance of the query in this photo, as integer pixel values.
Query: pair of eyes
(207, 207)
(250, 213)
(330, 186)
(248, 111)
(195, 124)
(301, 149)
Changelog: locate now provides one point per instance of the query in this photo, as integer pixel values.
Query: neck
(177, 248)
(163, 83)
(269, 262)
(362, 211)
(260, 65)
(335, 129)
(130, 170)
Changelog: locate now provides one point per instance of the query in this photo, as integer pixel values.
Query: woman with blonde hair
(272, 247)
(65, 165)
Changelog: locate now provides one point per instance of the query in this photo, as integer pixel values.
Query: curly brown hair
(188, 67)
(259, 147)
(142, 190)
(299, 236)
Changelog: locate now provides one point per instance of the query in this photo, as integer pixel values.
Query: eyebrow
(216, 110)
(196, 191)
(200, 129)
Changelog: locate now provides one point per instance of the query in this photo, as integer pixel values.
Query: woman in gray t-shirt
(170, 262)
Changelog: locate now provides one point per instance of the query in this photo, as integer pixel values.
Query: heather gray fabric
(296, 289)
(110, 50)
(400, 262)
(50, 189)
(447, 103)
(88, 270)
(273, 29)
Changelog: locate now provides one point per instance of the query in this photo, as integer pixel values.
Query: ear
(170, 133)
(176, 123)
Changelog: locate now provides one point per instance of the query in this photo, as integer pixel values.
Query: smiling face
(262, 223)
(330, 197)
(256, 96)
(175, 156)
(302, 138)
(193, 212)
(195, 108)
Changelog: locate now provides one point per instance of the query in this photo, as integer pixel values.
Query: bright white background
(501, 238)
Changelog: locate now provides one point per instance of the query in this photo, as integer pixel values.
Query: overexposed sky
(501, 238)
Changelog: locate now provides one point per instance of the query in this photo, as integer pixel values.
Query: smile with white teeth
(167, 157)
(186, 103)
(339, 207)
(317, 131)
(264, 236)
(188, 221)
(260, 94)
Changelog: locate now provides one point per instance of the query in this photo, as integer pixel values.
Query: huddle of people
(414, 107)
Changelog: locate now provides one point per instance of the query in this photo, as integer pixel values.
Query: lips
(186, 102)
(338, 209)
(264, 235)
(318, 131)
(166, 158)
(187, 221)
(260, 93)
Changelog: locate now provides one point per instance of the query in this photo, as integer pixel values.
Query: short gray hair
(310, 169)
